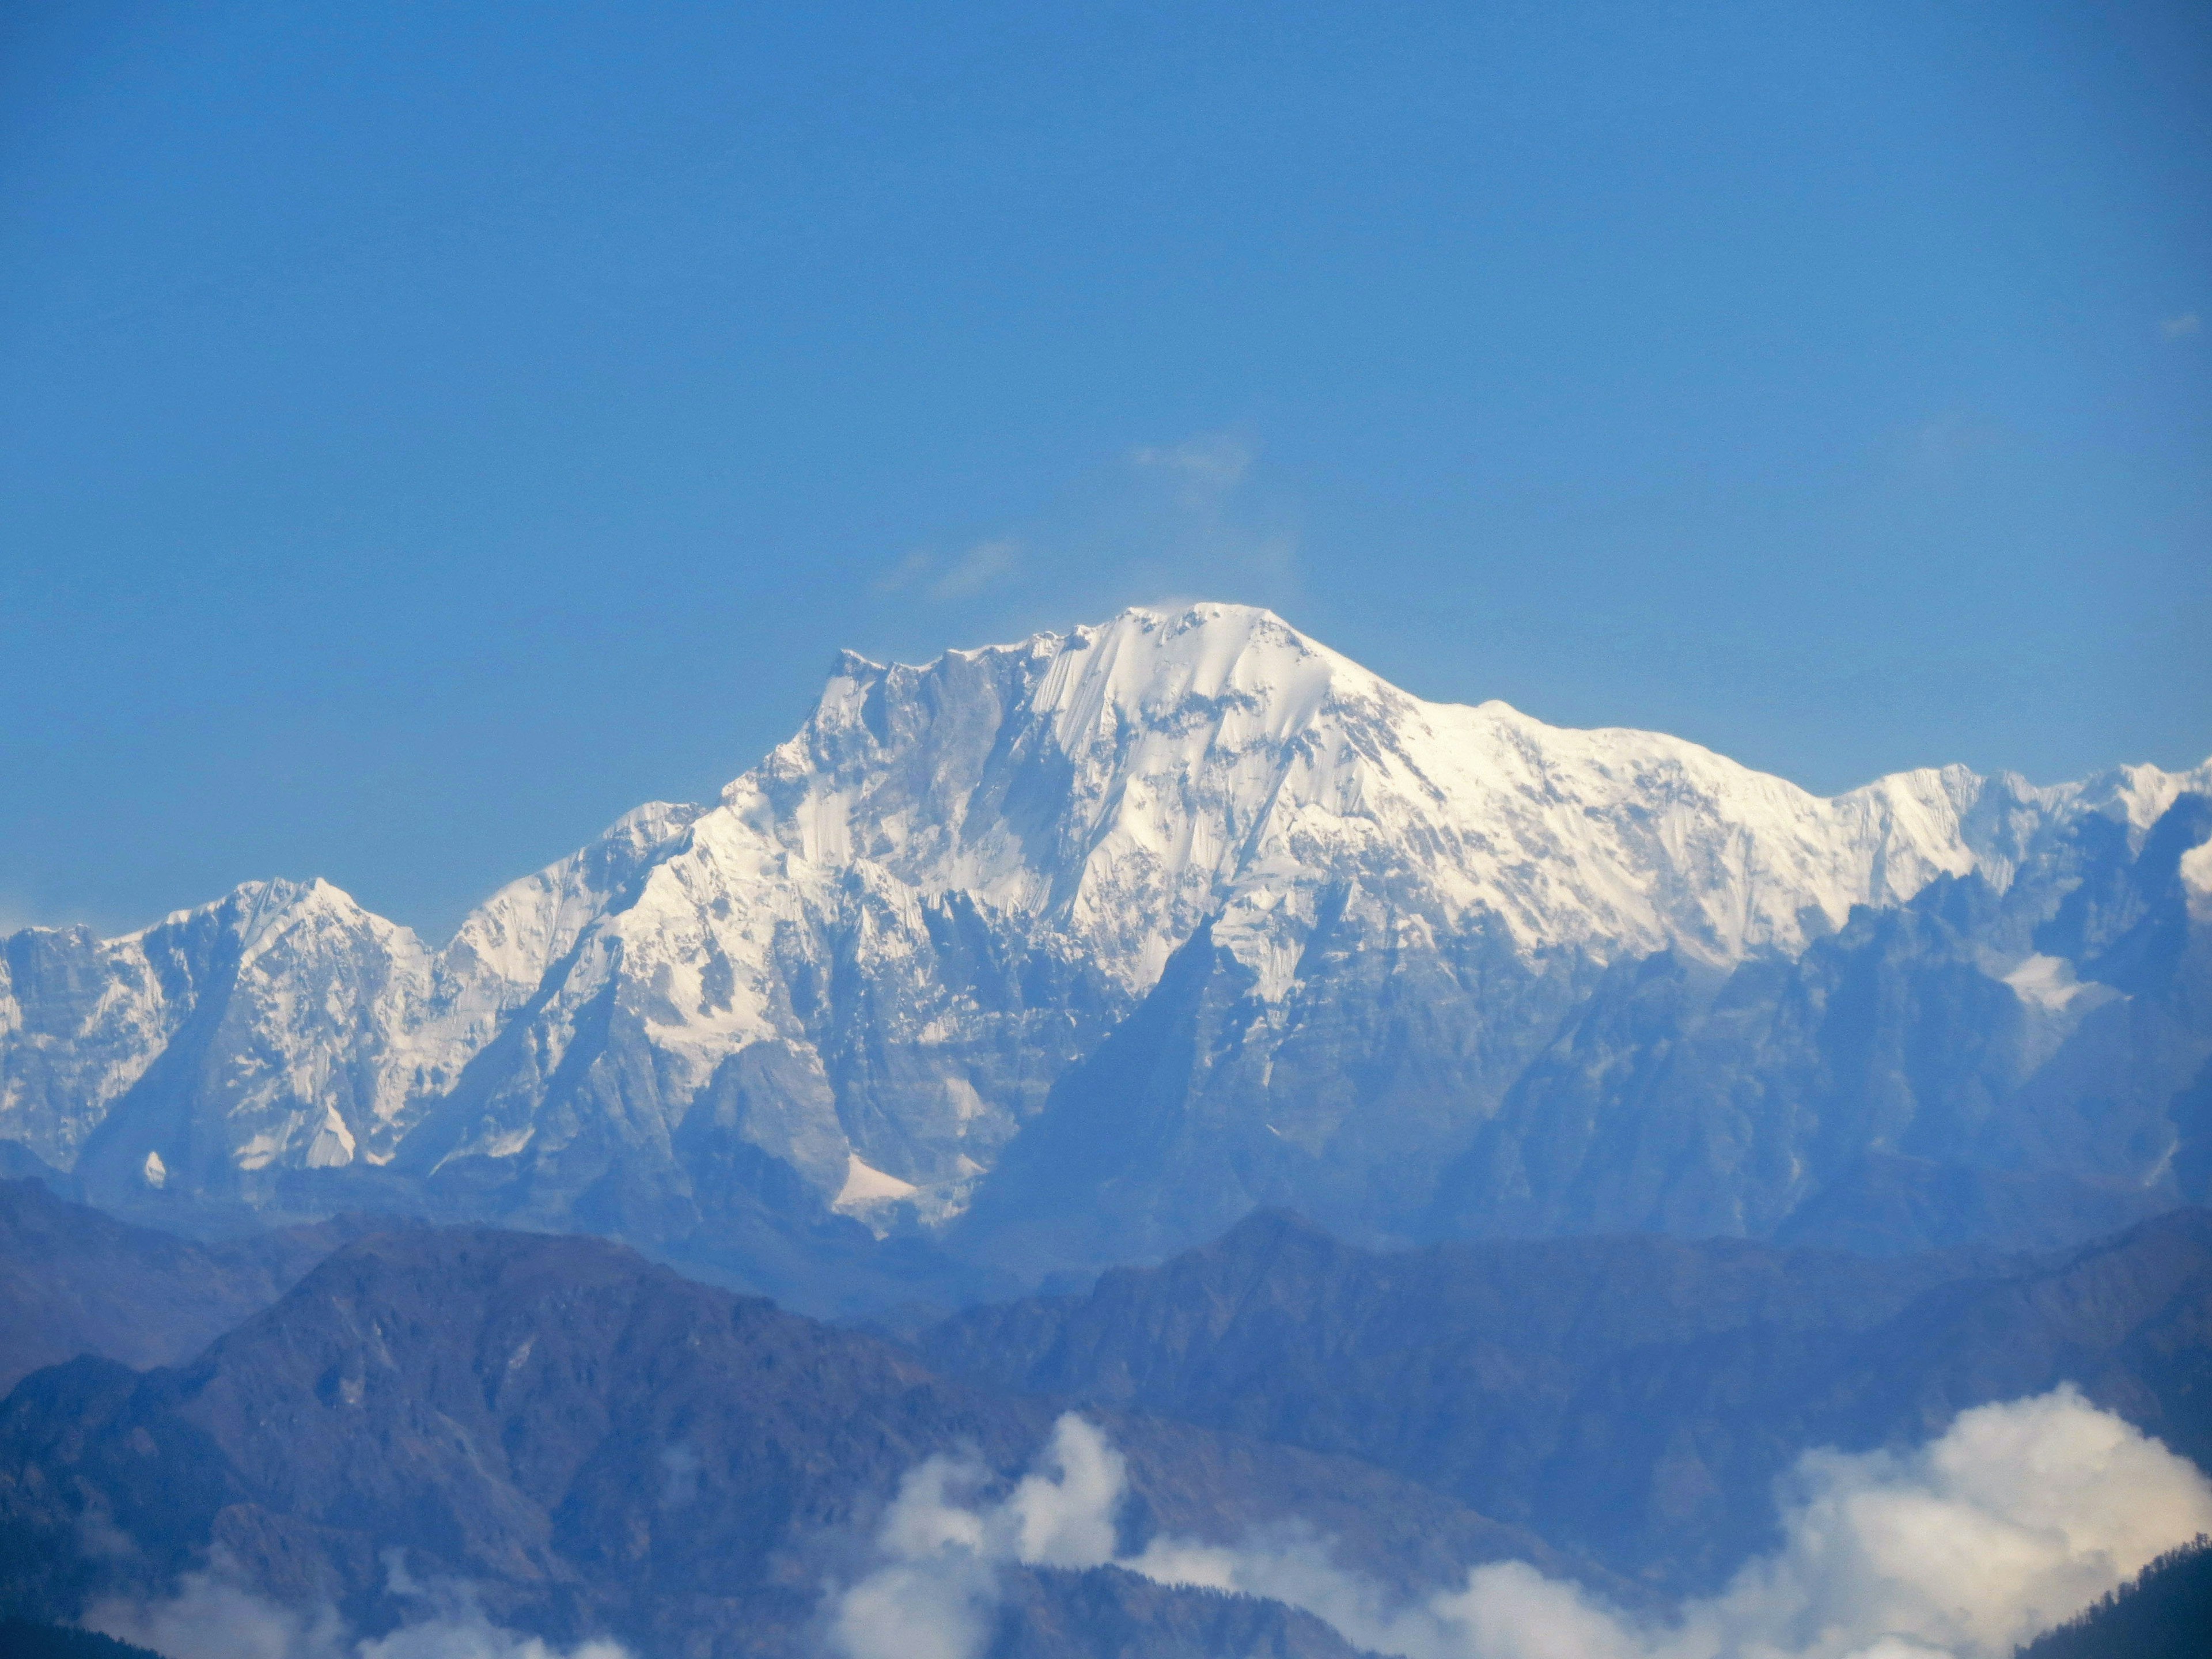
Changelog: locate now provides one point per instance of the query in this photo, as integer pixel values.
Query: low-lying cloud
(213, 1615)
(936, 1590)
(2015, 1518)
(2018, 1516)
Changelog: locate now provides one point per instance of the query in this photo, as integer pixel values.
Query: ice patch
(332, 1147)
(866, 1186)
(2045, 983)
(967, 1104)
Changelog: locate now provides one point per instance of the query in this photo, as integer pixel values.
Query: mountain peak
(885, 944)
(1195, 648)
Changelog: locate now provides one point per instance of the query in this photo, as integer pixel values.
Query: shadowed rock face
(2011, 1068)
(597, 1445)
(1632, 1397)
(1950, 1070)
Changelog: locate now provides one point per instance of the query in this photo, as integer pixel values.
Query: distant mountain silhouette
(1632, 1398)
(73, 1281)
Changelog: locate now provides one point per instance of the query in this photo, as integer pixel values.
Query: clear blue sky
(427, 431)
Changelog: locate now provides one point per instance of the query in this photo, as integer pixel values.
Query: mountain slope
(895, 974)
(1945, 1070)
(73, 1281)
(1634, 1397)
(1952, 1042)
(594, 1445)
(2163, 1614)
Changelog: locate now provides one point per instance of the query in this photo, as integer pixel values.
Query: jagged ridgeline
(1071, 952)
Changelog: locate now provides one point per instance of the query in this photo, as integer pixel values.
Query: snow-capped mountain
(855, 978)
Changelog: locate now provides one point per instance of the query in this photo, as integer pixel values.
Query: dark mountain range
(596, 1445)
(1110, 1613)
(75, 1281)
(1631, 1398)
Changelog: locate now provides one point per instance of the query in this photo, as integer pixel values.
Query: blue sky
(424, 436)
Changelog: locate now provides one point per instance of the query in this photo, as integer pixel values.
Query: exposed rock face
(1073, 950)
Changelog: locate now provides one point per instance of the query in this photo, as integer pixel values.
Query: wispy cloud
(976, 569)
(1206, 470)
(214, 1615)
(1163, 524)
(982, 566)
(2182, 327)
(1954, 436)
(2016, 1518)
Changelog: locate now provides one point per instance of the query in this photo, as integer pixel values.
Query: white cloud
(2015, 1519)
(909, 573)
(1955, 437)
(475, 1638)
(934, 1592)
(2018, 1516)
(2182, 327)
(211, 1615)
(982, 567)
